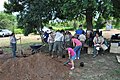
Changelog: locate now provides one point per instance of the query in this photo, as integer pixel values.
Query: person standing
(77, 45)
(68, 37)
(57, 47)
(82, 37)
(79, 31)
(13, 42)
(51, 41)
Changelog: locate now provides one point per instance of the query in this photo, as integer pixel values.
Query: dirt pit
(34, 67)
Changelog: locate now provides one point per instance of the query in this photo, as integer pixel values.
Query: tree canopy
(7, 21)
(33, 13)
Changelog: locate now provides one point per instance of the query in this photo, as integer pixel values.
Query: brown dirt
(34, 67)
(107, 34)
(41, 67)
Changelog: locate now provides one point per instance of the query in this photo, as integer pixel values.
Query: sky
(2, 4)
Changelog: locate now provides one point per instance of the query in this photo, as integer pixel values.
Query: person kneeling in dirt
(13, 42)
(72, 56)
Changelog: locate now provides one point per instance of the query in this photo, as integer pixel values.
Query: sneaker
(72, 68)
(97, 53)
(94, 56)
(52, 56)
(59, 57)
(75, 57)
(78, 58)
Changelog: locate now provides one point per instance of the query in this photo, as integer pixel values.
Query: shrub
(18, 31)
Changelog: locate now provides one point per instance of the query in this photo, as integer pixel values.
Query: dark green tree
(33, 13)
(116, 12)
(7, 21)
(87, 9)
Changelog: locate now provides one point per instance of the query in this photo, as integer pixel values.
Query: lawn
(25, 41)
(32, 39)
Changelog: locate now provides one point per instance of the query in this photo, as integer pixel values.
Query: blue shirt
(79, 31)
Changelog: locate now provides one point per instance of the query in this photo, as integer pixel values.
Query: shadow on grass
(20, 47)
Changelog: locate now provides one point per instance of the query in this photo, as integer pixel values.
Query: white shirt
(98, 40)
(12, 39)
(82, 37)
(51, 38)
(67, 38)
(59, 36)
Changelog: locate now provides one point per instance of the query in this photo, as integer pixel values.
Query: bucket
(104, 47)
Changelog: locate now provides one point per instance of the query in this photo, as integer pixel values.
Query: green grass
(115, 72)
(24, 46)
(26, 41)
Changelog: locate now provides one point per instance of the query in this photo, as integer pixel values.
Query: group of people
(61, 40)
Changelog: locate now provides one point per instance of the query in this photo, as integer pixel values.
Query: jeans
(94, 51)
(77, 50)
(73, 57)
(50, 47)
(13, 45)
(57, 47)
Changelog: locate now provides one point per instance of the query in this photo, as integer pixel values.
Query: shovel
(65, 63)
(21, 51)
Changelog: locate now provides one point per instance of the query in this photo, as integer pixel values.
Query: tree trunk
(89, 19)
(40, 32)
(75, 24)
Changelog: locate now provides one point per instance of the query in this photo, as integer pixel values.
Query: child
(77, 45)
(72, 56)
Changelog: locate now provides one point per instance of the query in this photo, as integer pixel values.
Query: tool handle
(67, 62)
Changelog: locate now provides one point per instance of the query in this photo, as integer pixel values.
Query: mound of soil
(35, 67)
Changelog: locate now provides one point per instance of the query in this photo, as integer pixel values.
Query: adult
(79, 31)
(51, 41)
(98, 42)
(78, 46)
(68, 37)
(45, 36)
(58, 41)
(13, 42)
(82, 37)
(108, 26)
(88, 42)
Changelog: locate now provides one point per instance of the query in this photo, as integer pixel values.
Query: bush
(18, 31)
(27, 31)
(63, 28)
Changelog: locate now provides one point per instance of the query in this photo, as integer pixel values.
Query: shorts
(73, 57)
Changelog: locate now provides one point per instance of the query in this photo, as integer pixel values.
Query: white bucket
(104, 47)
